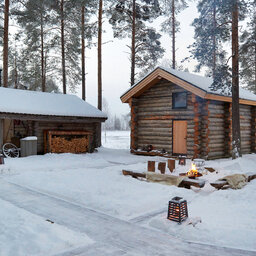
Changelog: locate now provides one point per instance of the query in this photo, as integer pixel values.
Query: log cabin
(177, 113)
(61, 123)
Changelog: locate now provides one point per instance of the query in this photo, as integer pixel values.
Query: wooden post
(1, 132)
(171, 164)
(133, 124)
(205, 129)
(151, 166)
(161, 167)
(45, 142)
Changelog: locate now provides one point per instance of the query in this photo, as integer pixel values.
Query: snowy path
(112, 236)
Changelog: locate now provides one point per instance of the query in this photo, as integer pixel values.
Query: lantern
(177, 210)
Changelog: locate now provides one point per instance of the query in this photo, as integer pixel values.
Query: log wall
(152, 115)
(216, 134)
(209, 123)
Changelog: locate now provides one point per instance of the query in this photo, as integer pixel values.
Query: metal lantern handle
(10, 150)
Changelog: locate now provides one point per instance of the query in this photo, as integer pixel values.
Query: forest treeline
(48, 47)
(49, 44)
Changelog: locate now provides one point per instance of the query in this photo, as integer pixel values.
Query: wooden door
(179, 136)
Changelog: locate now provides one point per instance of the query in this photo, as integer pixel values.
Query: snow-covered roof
(42, 103)
(203, 83)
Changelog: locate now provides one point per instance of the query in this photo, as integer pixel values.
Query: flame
(193, 171)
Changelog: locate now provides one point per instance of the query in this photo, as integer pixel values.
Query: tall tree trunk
(255, 53)
(5, 46)
(42, 54)
(173, 35)
(15, 72)
(236, 136)
(83, 51)
(214, 40)
(255, 68)
(133, 42)
(63, 47)
(100, 55)
(98, 127)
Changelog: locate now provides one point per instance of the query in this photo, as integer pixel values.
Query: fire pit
(192, 173)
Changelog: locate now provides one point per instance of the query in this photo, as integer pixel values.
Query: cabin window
(179, 100)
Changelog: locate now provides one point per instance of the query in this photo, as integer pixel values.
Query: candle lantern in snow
(177, 210)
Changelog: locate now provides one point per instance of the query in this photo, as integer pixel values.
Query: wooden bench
(186, 183)
(223, 184)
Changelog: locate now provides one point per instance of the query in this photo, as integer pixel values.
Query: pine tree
(5, 43)
(171, 25)
(100, 11)
(248, 51)
(67, 43)
(130, 19)
(236, 135)
(35, 21)
(1, 22)
(85, 9)
(212, 29)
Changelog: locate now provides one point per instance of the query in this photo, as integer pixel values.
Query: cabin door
(179, 136)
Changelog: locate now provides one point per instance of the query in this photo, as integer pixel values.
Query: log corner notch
(205, 128)
(133, 105)
(228, 128)
(253, 129)
(197, 146)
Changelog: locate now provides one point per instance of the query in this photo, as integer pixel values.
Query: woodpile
(69, 144)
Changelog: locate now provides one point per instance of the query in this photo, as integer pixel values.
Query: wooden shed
(177, 113)
(61, 123)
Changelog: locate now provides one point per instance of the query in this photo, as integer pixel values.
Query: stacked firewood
(70, 145)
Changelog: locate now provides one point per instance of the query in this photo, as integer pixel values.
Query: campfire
(193, 172)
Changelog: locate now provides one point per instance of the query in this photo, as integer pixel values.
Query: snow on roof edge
(26, 102)
(203, 84)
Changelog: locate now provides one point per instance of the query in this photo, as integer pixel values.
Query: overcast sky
(116, 66)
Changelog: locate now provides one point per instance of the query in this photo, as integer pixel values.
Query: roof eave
(159, 72)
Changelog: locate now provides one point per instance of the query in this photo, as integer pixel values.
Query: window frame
(173, 100)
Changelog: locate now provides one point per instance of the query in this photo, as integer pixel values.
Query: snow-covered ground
(116, 139)
(23, 233)
(95, 181)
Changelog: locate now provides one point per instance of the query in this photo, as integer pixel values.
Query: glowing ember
(193, 172)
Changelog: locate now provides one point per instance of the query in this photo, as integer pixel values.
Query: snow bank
(30, 138)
